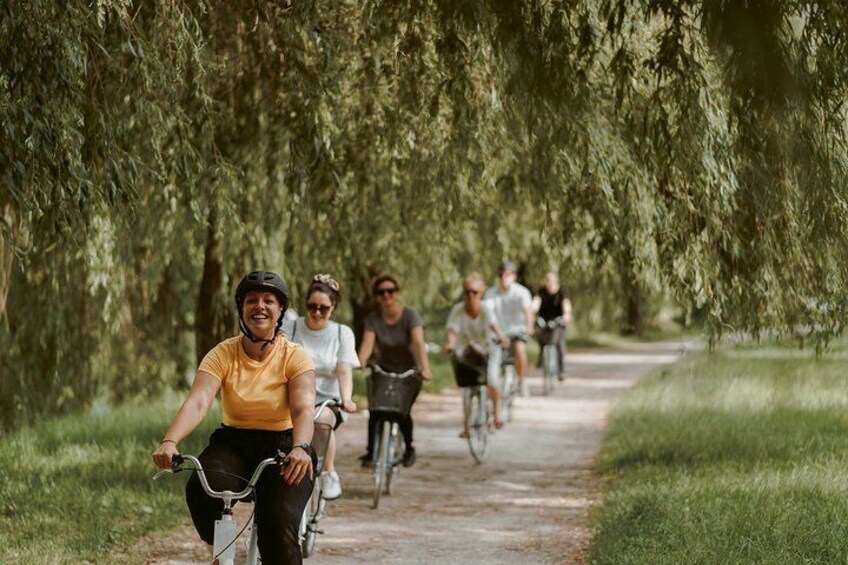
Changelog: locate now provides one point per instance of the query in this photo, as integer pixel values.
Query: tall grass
(75, 488)
(735, 457)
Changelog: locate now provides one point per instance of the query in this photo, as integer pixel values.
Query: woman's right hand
(164, 454)
(349, 406)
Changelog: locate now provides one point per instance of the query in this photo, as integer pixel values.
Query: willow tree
(151, 152)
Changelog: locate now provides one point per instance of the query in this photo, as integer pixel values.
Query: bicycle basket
(468, 376)
(392, 395)
(320, 441)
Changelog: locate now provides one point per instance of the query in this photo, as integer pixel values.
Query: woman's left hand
(425, 374)
(349, 406)
(298, 465)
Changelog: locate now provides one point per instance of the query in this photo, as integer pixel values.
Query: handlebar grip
(177, 462)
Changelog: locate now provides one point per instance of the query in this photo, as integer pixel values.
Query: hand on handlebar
(298, 464)
(349, 406)
(164, 454)
(426, 375)
(504, 341)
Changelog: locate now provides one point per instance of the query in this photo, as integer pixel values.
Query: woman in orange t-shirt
(267, 389)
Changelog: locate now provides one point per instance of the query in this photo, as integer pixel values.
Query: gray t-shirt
(393, 350)
(327, 348)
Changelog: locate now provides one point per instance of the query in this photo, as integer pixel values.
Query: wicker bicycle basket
(392, 395)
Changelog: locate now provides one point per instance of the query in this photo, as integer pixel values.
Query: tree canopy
(152, 152)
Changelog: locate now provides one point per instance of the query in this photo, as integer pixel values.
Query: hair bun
(327, 280)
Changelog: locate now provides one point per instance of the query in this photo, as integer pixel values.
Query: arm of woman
(450, 342)
(566, 310)
(301, 391)
(344, 372)
(191, 413)
(419, 349)
(366, 348)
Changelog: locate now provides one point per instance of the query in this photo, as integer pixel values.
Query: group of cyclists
(282, 365)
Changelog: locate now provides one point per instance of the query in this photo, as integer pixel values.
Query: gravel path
(529, 501)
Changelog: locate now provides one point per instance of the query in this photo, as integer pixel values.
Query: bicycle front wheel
(550, 366)
(309, 524)
(510, 390)
(381, 465)
(477, 423)
(394, 457)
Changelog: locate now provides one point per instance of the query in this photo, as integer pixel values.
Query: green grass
(736, 457)
(75, 489)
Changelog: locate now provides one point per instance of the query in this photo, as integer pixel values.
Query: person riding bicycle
(267, 387)
(512, 303)
(394, 335)
(551, 303)
(470, 327)
(333, 351)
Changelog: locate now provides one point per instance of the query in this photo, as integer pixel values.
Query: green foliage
(736, 457)
(152, 152)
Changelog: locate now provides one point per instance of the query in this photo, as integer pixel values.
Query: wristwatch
(304, 446)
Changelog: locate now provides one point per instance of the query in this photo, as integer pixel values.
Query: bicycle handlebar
(332, 402)
(404, 375)
(550, 324)
(177, 466)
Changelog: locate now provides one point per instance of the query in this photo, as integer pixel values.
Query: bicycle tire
(395, 448)
(511, 386)
(380, 467)
(549, 368)
(477, 424)
(311, 516)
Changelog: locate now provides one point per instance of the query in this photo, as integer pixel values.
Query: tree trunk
(7, 258)
(212, 320)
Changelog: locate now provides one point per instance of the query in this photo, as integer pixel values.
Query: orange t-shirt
(254, 394)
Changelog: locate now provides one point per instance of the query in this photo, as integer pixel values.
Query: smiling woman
(267, 389)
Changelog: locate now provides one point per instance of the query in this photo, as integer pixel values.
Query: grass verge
(75, 489)
(734, 457)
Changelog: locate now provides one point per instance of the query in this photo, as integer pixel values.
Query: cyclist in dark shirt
(394, 336)
(551, 303)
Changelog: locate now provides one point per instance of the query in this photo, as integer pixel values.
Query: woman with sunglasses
(333, 351)
(394, 335)
(470, 326)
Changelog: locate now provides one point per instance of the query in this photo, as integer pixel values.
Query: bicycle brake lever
(160, 473)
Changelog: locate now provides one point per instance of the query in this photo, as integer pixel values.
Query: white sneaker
(525, 389)
(331, 486)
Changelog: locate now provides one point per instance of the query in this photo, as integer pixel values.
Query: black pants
(279, 506)
(374, 419)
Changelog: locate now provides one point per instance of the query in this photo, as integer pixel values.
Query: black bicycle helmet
(265, 281)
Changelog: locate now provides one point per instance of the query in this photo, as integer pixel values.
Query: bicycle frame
(226, 529)
(387, 442)
(550, 353)
(315, 507)
(478, 420)
(509, 381)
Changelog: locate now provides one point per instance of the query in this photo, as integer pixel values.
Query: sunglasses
(322, 308)
(385, 291)
(472, 292)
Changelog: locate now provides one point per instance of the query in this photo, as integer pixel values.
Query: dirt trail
(528, 502)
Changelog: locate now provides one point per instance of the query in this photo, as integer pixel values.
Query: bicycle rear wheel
(477, 423)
